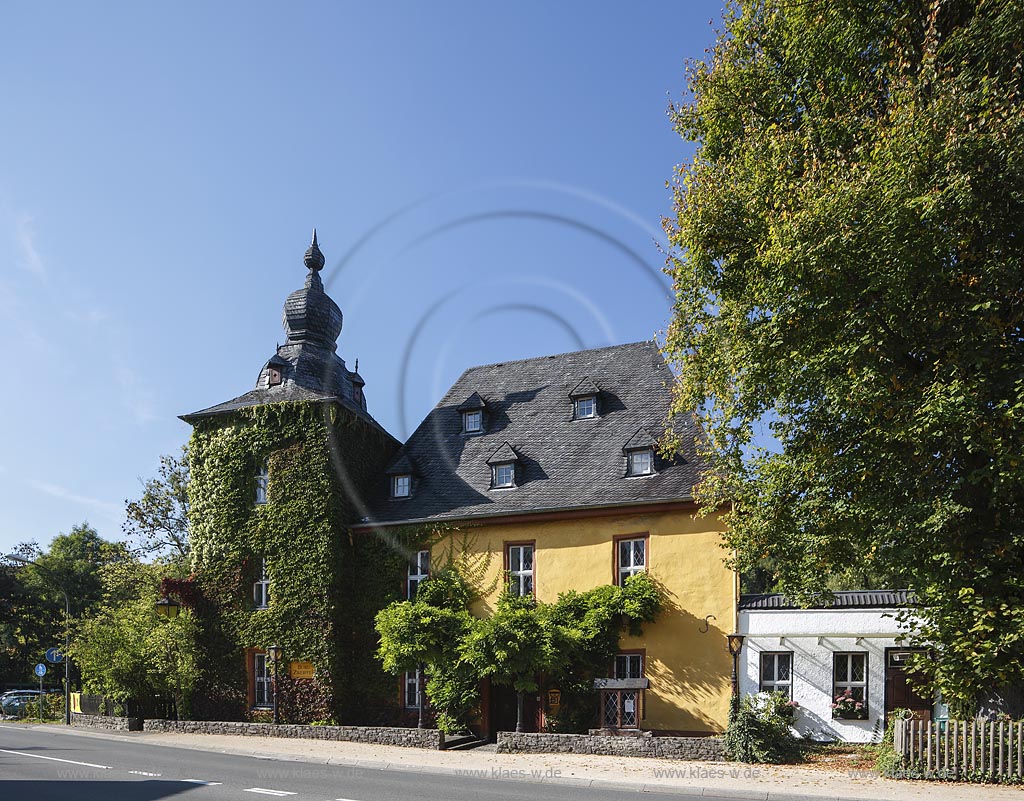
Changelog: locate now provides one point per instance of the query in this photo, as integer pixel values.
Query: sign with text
(301, 670)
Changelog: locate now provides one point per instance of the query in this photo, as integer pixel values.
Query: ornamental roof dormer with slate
(560, 465)
(584, 389)
(310, 367)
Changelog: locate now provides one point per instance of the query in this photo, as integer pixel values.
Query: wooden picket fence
(971, 750)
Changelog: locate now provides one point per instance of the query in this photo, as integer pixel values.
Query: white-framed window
(520, 569)
(777, 672)
(412, 689)
(629, 666)
(262, 482)
(503, 475)
(261, 588)
(850, 672)
(262, 678)
(632, 558)
(640, 462)
(273, 377)
(401, 486)
(472, 422)
(585, 407)
(419, 571)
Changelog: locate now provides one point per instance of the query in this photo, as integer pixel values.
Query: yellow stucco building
(551, 472)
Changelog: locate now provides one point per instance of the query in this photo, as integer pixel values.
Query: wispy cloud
(134, 395)
(29, 258)
(56, 491)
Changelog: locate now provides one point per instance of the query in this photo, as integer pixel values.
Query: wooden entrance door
(899, 689)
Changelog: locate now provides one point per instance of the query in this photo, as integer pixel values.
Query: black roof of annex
(845, 599)
(563, 463)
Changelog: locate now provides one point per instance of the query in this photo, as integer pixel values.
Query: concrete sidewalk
(767, 783)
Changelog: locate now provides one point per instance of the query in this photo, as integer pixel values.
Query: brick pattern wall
(705, 749)
(375, 735)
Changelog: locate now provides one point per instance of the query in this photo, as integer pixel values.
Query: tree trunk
(519, 711)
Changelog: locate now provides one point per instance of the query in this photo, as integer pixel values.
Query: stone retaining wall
(705, 749)
(104, 722)
(376, 735)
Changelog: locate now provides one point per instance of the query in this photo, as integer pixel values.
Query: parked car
(14, 704)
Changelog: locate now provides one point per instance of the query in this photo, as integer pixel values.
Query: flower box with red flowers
(847, 707)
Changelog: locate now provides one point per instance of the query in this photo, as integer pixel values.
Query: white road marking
(55, 759)
(200, 781)
(143, 773)
(265, 791)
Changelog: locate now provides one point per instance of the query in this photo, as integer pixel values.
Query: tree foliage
(847, 268)
(125, 650)
(158, 521)
(572, 641)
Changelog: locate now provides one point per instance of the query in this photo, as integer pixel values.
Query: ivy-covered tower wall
(278, 477)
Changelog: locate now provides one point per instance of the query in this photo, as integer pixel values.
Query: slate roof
(584, 389)
(505, 454)
(845, 599)
(472, 403)
(563, 463)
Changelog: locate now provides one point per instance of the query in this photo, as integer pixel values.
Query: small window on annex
(777, 673)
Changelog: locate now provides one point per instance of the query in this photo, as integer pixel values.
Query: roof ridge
(556, 355)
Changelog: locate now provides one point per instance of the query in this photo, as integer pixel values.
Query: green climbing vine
(325, 584)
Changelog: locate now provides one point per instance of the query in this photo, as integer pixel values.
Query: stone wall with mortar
(104, 722)
(705, 749)
(376, 735)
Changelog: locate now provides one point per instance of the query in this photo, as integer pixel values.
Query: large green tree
(847, 247)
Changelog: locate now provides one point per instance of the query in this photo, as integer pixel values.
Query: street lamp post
(275, 652)
(67, 635)
(735, 646)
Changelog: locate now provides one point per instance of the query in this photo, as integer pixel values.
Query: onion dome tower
(306, 366)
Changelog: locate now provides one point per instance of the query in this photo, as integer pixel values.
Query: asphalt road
(38, 765)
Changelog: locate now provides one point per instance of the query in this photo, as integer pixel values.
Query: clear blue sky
(487, 181)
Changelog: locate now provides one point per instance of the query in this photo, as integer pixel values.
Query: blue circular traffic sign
(40, 670)
(54, 656)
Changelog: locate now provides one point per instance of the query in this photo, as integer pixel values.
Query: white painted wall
(814, 635)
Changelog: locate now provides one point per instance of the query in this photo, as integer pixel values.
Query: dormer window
(584, 399)
(472, 411)
(503, 467)
(640, 462)
(639, 453)
(472, 422)
(262, 482)
(585, 407)
(401, 486)
(503, 476)
(273, 377)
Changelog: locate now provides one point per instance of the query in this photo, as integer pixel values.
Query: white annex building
(851, 648)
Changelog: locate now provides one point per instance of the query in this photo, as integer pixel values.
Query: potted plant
(846, 707)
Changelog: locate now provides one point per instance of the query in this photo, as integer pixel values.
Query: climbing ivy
(325, 583)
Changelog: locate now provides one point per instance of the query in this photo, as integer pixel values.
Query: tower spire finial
(314, 259)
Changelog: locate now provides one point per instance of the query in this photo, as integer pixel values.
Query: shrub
(759, 730)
